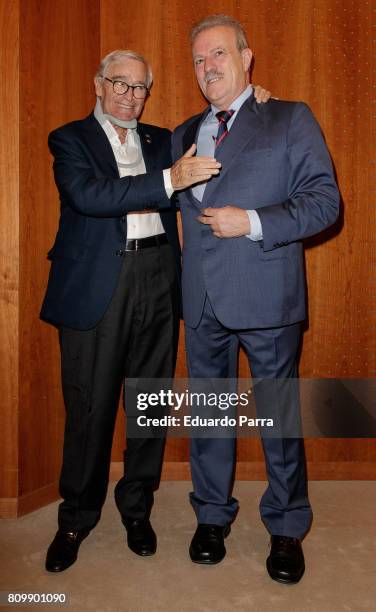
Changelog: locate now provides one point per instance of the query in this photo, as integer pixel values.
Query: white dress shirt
(130, 162)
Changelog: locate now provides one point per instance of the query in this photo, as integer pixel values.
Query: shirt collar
(111, 133)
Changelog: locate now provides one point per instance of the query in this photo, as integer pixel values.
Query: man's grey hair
(120, 54)
(221, 20)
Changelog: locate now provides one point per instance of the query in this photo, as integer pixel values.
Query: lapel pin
(148, 138)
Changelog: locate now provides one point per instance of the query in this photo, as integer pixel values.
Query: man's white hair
(120, 54)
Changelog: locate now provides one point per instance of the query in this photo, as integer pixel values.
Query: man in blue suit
(243, 275)
(113, 292)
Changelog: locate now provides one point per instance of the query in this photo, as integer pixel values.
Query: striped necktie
(223, 117)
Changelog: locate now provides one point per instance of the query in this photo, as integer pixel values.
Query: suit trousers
(272, 354)
(137, 337)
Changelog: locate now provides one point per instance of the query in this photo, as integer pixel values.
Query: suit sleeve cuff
(167, 182)
(255, 223)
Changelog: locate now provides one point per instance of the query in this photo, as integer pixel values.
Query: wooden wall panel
(59, 55)
(9, 296)
(318, 51)
(315, 50)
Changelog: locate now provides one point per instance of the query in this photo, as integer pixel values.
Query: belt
(136, 244)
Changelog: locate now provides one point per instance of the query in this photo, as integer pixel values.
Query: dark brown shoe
(207, 545)
(286, 560)
(63, 550)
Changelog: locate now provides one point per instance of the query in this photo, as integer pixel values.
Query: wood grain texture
(37, 498)
(9, 248)
(314, 50)
(318, 51)
(59, 55)
(8, 507)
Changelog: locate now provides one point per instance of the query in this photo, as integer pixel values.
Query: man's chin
(126, 116)
(213, 93)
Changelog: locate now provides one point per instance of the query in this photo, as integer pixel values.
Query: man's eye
(119, 83)
(217, 53)
(198, 61)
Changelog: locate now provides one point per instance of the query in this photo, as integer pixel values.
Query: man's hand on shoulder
(262, 95)
(189, 169)
(226, 222)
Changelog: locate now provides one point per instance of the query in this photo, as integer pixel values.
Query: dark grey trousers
(137, 337)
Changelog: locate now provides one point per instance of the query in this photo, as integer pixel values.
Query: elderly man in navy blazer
(243, 275)
(113, 292)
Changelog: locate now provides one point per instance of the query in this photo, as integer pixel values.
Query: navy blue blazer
(94, 200)
(274, 160)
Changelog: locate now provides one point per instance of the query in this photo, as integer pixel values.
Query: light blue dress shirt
(206, 147)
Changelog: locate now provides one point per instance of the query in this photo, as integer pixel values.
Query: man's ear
(98, 84)
(247, 59)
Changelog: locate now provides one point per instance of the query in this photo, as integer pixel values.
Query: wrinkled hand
(189, 170)
(261, 94)
(226, 222)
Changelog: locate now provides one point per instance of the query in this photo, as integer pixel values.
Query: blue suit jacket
(93, 223)
(274, 160)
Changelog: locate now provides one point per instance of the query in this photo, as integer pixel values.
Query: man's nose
(209, 64)
(129, 94)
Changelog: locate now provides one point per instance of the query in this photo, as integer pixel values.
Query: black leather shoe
(63, 549)
(207, 545)
(286, 560)
(141, 537)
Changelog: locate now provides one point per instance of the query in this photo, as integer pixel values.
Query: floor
(340, 554)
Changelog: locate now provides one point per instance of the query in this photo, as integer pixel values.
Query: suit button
(123, 219)
(119, 253)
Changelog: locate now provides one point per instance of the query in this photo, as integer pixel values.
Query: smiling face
(221, 69)
(125, 106)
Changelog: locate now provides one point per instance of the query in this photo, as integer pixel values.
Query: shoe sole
(283, 580)
(207, 562)
(142, 554)
(53, 570)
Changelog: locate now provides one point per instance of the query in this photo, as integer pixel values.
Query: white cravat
(130, 162)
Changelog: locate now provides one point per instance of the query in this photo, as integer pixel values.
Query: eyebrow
(219, 48)
(122, 77)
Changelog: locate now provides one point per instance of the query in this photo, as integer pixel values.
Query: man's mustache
(212, 74)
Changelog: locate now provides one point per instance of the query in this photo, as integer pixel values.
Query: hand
(226, 222)
(189, 170)
(262, 95)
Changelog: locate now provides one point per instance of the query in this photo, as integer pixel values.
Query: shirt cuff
(255, 223)
(167, 182)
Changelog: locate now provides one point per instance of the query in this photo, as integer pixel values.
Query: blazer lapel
(147, 146)
(99, 143)
(191, 133)
(247, 123)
